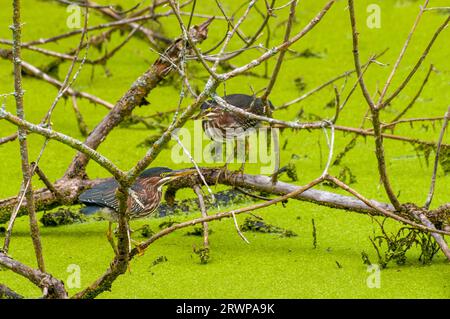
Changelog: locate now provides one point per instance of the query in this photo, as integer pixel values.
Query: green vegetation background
(270, 266)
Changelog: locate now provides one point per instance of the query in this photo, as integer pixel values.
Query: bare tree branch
(22, 133)
(54, 288)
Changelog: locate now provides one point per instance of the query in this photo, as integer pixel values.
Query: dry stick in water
(8, 293)
(413, 120)
(314, 233)
(230, 35)
(331, 81)
(230, 23)
(187, 36)
(150, 34)
(280, 59)
(188, 154)
(436, 160)
(270, 86)
(238, 229)
(284, 45)
(67, 83)
(95, 40)
(13, 217)
(201, 201)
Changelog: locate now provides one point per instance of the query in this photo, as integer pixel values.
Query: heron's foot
(242, 169)
(137, 245)
(274, 177)
(223, 171)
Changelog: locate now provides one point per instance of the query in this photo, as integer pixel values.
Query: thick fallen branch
(45, 199)
(8, 293)
(297, 191)
(439, 239)
(52, 288)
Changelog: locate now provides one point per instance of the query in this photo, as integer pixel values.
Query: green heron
(145, 194)
(219, 123)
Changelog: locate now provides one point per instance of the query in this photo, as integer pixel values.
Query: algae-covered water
(270, 266)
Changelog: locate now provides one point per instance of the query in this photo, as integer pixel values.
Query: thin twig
(436, 159)
(330, 143)
(82, 126)
(402, 52)
(414, 99)
(9, 138)
(405, 82)
(238, 229)
(47, 182)
(64, 139)
(327, 83)
(280, 59)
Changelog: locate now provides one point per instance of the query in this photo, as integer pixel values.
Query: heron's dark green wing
(103, 194)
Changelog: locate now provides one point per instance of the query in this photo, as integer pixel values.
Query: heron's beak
(204, 25)
(204, 114)
(170, 176)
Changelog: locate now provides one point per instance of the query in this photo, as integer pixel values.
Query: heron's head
(208, 110)
(162, 175)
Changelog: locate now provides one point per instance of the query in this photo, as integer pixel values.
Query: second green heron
(144, 197)
(219, 123)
